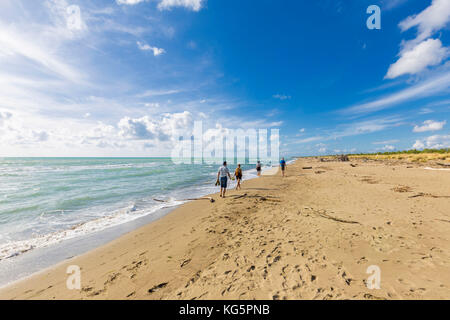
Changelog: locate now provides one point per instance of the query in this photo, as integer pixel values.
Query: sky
(127, 77)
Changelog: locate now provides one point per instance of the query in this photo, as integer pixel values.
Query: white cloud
(322, 147)
(386, 141)
(354, 129)
(67, 18)
(281, 96)
(391, 4)
(430, 125)
(366, 126)
(445, 102)
(427, 53)
(13, 132)
(425, 88)
(128, 136)
(194, 5)
(418, 54)
(388, 148)
(310, 139)
(40, 135)
(4, 116)
(152, 105)
(169, 127)
(146, 47)
(418, 145)
(59, 95)
(344, 151)
(433, 142)
(111, 25)
(155, 93)
(14, 46)
(425, 111)
(129, 2)
(430, 20)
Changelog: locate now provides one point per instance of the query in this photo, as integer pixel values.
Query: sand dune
(311, 235)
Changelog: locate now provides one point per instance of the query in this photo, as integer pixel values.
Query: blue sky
(125, 77)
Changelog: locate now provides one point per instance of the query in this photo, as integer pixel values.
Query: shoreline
(17, 268)
(311, 235)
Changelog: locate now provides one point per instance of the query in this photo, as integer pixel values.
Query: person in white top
(223, 174)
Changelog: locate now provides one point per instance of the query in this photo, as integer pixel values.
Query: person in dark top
(258, 168)
(238, 175)
(283, 166)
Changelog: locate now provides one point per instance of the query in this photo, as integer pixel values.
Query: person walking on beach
(223, 175)
(258, 168)
(238, 175)
(283, 166)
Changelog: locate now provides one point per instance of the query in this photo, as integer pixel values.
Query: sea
(54, 208)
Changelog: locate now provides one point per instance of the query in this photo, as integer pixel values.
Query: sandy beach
(311, 235)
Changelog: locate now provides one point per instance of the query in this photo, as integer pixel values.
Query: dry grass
(418, 158)
(404, 157)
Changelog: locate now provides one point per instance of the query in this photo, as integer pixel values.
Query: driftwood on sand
(190, 199)
(343, 157)
(429, 195)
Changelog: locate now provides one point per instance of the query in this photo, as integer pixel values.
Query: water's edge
(38, 260)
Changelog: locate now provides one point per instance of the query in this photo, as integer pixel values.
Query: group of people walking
(224, 173)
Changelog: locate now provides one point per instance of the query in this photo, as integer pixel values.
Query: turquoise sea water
(44, 201)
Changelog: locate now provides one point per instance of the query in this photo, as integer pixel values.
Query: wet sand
(311, 235)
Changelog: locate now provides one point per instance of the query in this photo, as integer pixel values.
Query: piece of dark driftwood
(190, 199)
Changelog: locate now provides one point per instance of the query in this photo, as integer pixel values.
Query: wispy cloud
(391, 4)
(14, 46)
(387, 148)
(129, 2)
(281, 96)
(145, 47)
(386, 141)
(194, 5)
(430, 125)
(433, 142)
(355, 129)
(426, 88)
(156, 93)
(430, 20)
(418, 54)
(310, 139)
(427, 53)
(425, 111)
